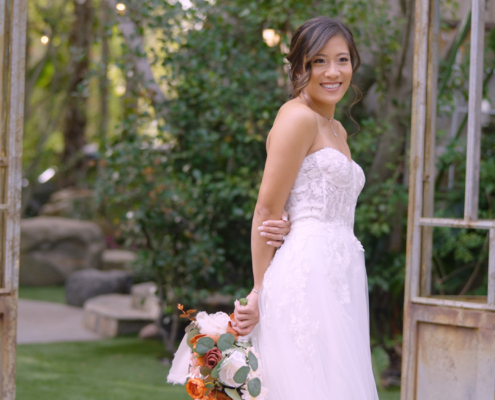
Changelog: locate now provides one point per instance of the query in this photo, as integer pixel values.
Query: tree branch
(143, 68)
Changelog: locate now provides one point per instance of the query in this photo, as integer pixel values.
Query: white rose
(230, 366)
(212, 324)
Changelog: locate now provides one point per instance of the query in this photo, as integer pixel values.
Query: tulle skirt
(313, 334)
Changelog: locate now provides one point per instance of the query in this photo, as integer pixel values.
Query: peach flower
(196, 388)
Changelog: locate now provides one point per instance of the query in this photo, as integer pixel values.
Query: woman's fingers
(281, 228)
(274, 243)
(285, 215)
(270, 229)
(273, 236)
(277, 223)
(243, 324)
(245, 309)
(246, 327)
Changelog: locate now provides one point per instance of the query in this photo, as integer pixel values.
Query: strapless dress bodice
(326, 189)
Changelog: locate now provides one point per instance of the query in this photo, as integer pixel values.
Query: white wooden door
(449, 341)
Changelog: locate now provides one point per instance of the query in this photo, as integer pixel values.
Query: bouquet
(216, 362)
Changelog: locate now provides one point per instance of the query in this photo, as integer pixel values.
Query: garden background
(161, 109)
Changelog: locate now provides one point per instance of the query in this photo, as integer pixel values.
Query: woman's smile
(331, 87)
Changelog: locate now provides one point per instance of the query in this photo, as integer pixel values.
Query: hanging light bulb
(44, 39)
(270, 37)
(120, 7)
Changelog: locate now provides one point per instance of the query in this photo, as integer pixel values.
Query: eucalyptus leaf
(253, 361)
(216, 370)
(190, 335)
(254, 387)
(226, 341)
(232, 393)
(205, 371)
(204, 344)
(190, 327)
(241, 375)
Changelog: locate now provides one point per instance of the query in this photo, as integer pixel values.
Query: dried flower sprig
(186, 314)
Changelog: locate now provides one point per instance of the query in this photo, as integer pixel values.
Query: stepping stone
(117, 259)
(44, 322)
(112, 315)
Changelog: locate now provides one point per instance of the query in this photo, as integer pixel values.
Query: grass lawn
(120, 369)
(112, 369)
(55, 294)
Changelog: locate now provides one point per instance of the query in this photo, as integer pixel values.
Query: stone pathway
(43, 322)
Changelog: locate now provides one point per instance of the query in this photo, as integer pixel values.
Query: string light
(120, 7)
(44, 39)
(270, 37)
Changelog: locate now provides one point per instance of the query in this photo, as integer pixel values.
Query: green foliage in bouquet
(254, 387)
(225, 341)
(253, 361)
(204, 345)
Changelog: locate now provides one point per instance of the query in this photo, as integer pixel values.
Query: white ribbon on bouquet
(180, 366)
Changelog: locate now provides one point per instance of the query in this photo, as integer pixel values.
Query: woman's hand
(246, 317)
(275, 230)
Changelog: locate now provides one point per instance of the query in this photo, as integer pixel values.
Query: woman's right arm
(290, 139)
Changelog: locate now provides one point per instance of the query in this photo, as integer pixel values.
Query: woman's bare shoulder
(297, 117)
(295, 121)
(295, 111)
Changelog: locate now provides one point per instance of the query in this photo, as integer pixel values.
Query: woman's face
(331, 72)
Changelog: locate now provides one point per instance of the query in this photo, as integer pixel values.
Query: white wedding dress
(313, 334)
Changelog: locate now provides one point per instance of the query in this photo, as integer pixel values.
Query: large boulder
(52, 248)
(83, 285)
(72, 202)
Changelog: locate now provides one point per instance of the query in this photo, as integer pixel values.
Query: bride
(308, 310)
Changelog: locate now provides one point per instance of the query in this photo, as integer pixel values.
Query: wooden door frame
(13, 52)
(419, 305)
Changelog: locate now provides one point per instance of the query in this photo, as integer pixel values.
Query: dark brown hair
(307, 41)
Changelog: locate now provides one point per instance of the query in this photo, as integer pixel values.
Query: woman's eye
(318, 60)
(344, 59)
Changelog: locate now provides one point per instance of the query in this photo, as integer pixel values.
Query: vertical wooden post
(491, 269)
(12, 54)
(474, 107)
(415, 185)
(429, 152)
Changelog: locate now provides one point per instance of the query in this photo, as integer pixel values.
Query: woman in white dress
(308, 311)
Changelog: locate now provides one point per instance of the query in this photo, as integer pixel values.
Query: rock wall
(52, 248)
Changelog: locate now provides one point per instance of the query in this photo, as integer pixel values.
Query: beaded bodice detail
(326, 188)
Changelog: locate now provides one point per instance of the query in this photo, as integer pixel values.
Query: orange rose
(230, 329)
(196, 388)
